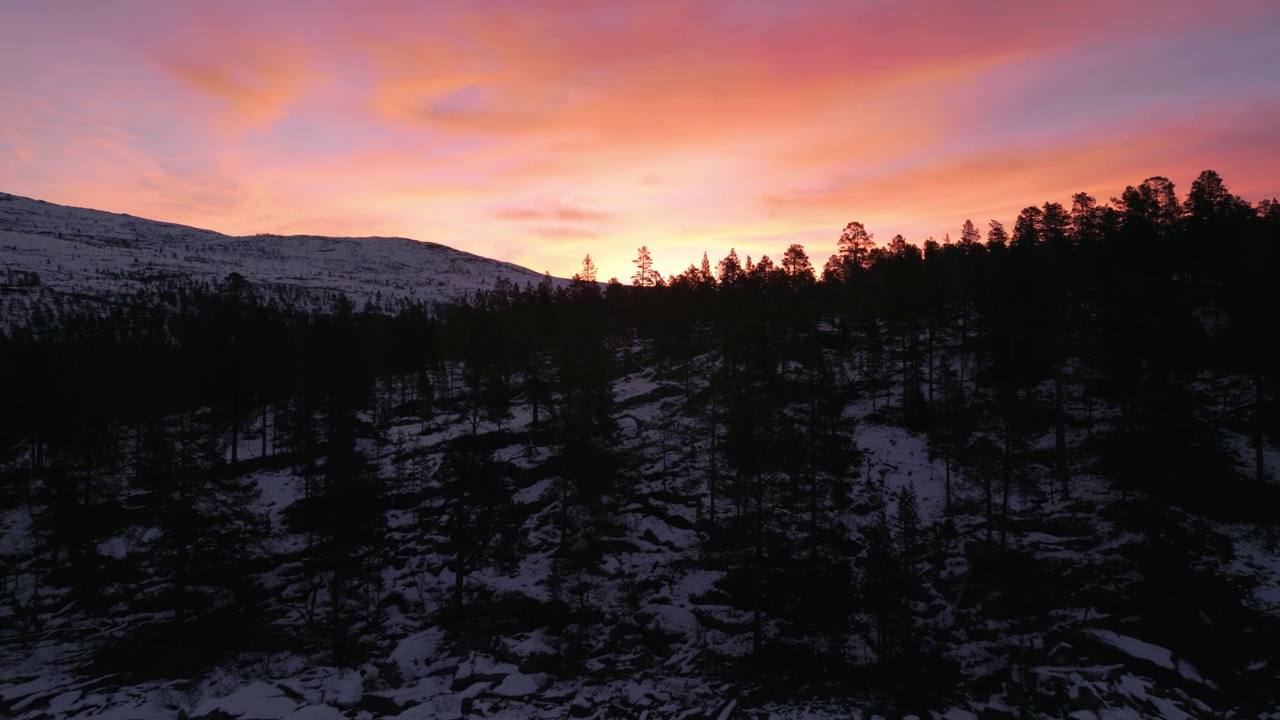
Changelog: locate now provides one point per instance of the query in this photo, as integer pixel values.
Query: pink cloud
(567, 213)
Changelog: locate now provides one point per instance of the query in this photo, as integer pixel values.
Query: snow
(256, 701)
(31, 687)
(1257, 560)
(1120, 714)
(124, 712)
(634, 387)
(64, 702)
(1135, 647)
(76, 250)
(1188, 671)
(533, 493)
(344, 688)
(517, 685)
(475, 689)
(1168, 709)
(276, 491)
(447, 707)
(899, 458)
(316, 712)
(534, 644)
(414, 653)
(1135, 687)
(116, 547)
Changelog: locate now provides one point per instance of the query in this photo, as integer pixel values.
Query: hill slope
(98, 254)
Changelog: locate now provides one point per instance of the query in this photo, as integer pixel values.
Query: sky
(538, 132)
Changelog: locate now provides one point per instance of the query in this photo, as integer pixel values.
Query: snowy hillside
(98, 254)
(648, 626)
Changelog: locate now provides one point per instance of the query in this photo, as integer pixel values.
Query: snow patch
(256, 701)
(1135, 647)
(316, 712)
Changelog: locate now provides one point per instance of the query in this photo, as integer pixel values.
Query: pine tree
(730, 270)
(969, 235)
(478, 506)
(853, 253)
(796, 266)
(705, 278)
(205, 539)
(645, 275)
(997, 237)
(588, 273)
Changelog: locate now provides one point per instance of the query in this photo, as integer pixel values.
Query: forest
(972, 471)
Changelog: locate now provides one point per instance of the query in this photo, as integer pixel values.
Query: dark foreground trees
(1127, 341)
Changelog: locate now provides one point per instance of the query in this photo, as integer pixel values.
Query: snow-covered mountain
(94, 253)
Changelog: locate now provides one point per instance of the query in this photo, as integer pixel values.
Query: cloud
(250, 97)
(666, 74)
(256, 79)
(565, 213)
(564, 232)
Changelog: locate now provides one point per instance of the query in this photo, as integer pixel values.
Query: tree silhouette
(729, 270)
(588, 273)
(796, 266)
(853, 253)
(645, 275)
(479, 511)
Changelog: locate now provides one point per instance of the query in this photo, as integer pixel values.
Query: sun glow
(540, 132)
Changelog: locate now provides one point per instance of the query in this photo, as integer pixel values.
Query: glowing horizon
(538, 132)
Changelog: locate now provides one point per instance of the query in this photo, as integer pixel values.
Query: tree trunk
(235, 431)
(713, 467)
(1060, 432)
(946, 463)
(813, 506)
(1088, 404)
(1006, 472)
(757, 573)
(964, 344)
(458, 578)
(1260, 468)
(990, 505)
(931, 360)
(182, 545)
(904, 367)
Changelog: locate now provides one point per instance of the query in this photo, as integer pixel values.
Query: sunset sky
(536, 132)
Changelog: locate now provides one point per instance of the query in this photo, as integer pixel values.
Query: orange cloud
(255, 103)
(558, 232)
(667, 74)
(254, 79)
(567, 213)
